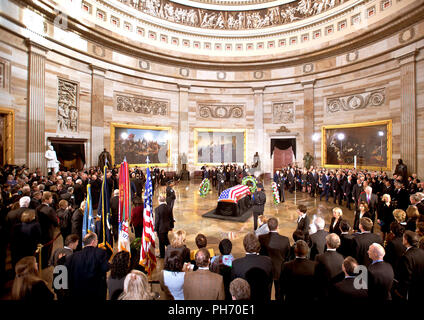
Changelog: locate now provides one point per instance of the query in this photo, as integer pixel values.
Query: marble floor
(189, 208)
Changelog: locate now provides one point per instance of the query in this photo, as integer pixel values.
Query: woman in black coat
(385, 215)
(26, 237)
(394, 244)
(412, 215)
(363, 212)
(335, 221)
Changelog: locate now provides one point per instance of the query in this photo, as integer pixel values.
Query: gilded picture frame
(221, 132)
(370, 142)
(140, 137)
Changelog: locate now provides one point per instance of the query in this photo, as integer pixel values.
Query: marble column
(308, 118)
(183, 127)
(97, 113)
(36, 101)
(408, 136)
(258, 100)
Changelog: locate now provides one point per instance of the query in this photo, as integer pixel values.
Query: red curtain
(282, 158)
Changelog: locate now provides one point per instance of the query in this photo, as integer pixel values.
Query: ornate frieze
(356, 101)
(283, 112)
(232, 20)
(140, 104)
(219, 111)
(67, 106)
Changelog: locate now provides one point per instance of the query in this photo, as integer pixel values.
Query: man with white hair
(380, 274)
(371, 200)
(317, 239)
(14, 216)
(419, 202)
(79, 193)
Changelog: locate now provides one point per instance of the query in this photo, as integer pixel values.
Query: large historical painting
(138, 143)
(216, 146)
(368, 145)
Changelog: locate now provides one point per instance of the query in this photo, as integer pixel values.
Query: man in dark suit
(254, 263)
(303, 219)
(380, 274)
(78, 193)
(87, 271)
(346, 240)
(297, 282)
(258, 202)
(96, 188)
(363, 240)
(329, 266)
(345, 290)
(317, 240)
(325, 182)
(114, 214)
(371, 199)
(48, 221)
(170, 195)
(14, 216)
(401, 196)
(410, 271)
(338, 189)
(356, 192)
(164, 222)
(277, 247)
(347, 191)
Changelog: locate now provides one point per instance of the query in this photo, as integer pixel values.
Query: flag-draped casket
(234, 201)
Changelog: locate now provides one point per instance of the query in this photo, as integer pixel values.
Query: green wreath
(252, 180)
(204, 187)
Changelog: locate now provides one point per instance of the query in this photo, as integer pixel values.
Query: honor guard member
(258, 201)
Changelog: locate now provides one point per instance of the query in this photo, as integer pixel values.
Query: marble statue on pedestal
(52, 162)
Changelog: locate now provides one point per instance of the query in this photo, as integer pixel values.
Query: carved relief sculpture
(283, 112)
(140, 104)
(67, 106)
(206, 111)
(356, 101)
(214, 19)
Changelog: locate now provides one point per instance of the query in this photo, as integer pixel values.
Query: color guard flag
(104, 227)
(124, 207)
(147, 255)
(88, 221)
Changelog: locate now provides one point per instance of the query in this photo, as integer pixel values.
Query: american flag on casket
(234, 194)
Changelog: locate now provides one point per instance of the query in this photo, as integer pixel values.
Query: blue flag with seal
(88, 221)
(103, 226)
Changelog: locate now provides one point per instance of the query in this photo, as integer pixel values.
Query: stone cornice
(35, 47)
(408, 57)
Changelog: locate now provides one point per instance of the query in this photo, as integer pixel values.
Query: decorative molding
(67, 106)
(4, 74)
(99, 51)
(407, 35)
(307, 68)
(258, 74)
(283, 112)
(282, 129)
(221, 75)
(356, 101)
(141, 104)
(143, 64)
(352, 56)
(220, 111)
(184, 72)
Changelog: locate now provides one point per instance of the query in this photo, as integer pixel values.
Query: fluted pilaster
(258, 98)
(408, 145)
(36, 101)
(308, 116)
(97, 112)
(183, 126)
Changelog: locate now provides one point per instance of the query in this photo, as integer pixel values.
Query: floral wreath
(275, 193)
(204, 188)
(252, 180)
